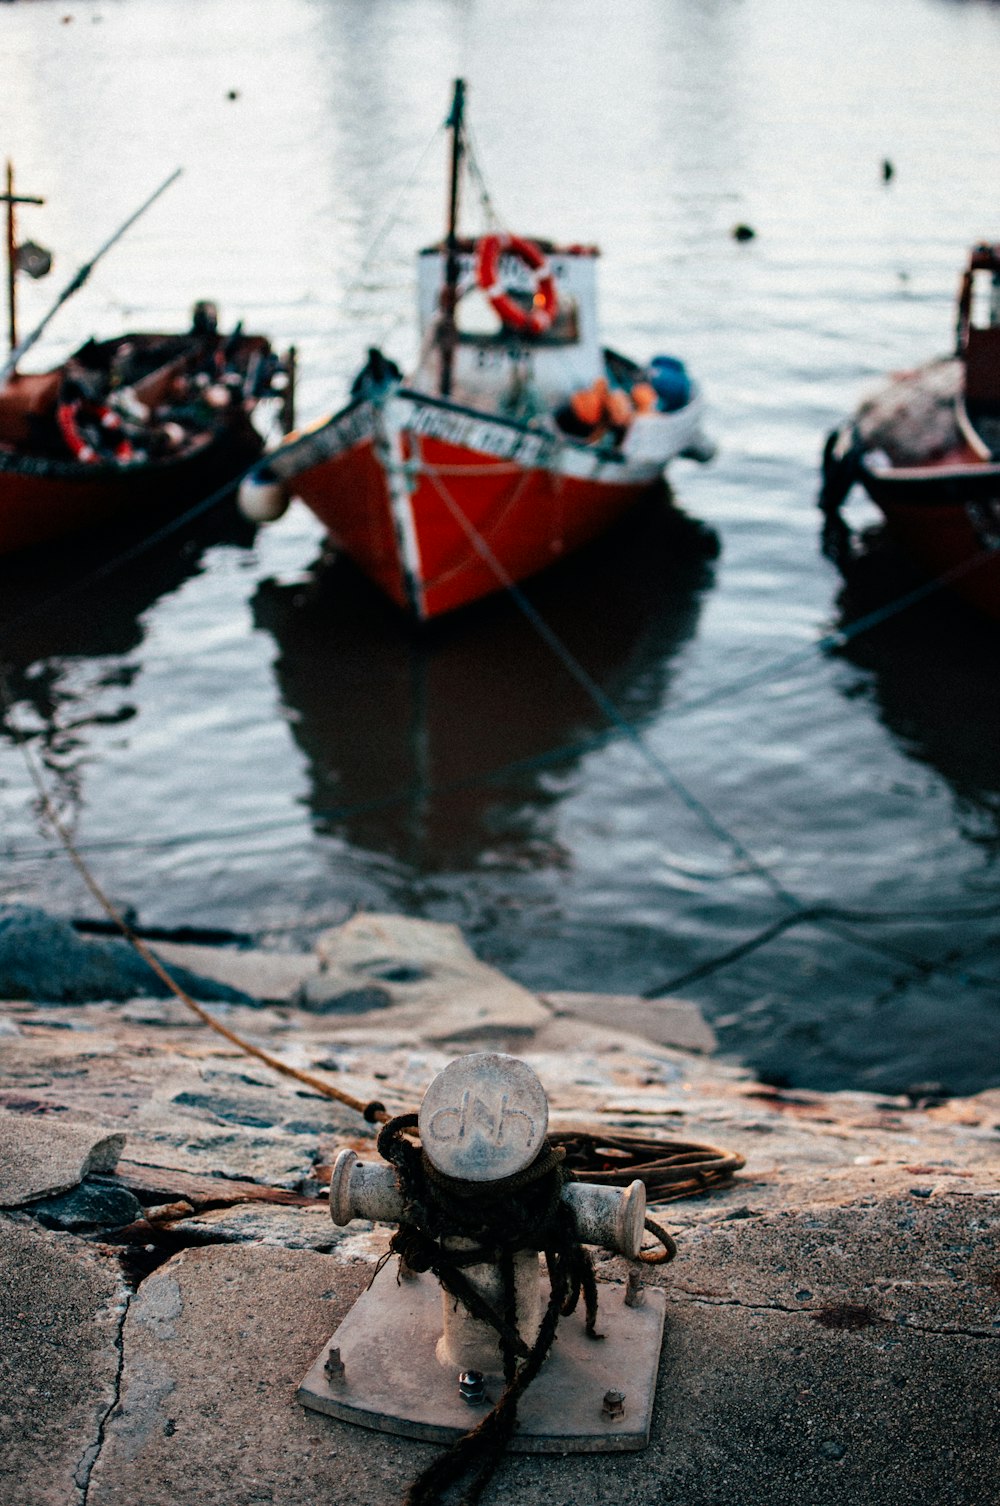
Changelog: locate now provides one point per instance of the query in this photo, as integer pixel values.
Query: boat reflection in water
(67, 610)
(403, 727)
(934, 671)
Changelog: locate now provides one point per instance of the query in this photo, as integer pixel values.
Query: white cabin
(494, 368)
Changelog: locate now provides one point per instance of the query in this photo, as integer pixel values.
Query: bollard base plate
(393, 1381)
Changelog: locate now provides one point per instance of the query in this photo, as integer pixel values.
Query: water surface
(239, 741)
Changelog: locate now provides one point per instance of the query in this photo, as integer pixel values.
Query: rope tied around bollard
(524, 1211)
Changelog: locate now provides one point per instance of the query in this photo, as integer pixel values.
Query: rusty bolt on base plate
(634, 1294)
(334, 1366)
(472, 1387)
(614, 1405)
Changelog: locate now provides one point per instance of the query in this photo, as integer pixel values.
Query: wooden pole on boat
(81, 277)
(449, 293)
(10, 198)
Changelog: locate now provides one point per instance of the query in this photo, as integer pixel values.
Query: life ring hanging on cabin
(545, 300)
(78, 414)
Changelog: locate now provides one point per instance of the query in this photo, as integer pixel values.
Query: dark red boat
(926, 449)
(516, 439)
(138, 422)
(126, 428)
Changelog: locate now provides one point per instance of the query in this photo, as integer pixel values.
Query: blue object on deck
(669, 379)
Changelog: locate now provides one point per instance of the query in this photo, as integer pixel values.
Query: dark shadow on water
(60, 607)
(934, 679)
(917, 1012)
(405, 728)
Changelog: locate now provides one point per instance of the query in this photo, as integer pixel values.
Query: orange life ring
(70, 416)
(545, 301)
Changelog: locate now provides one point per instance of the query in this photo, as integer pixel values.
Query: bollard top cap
(483, 1117)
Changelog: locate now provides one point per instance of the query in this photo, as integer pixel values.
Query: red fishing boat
(516, 439)
(128, 427)
(926, 449)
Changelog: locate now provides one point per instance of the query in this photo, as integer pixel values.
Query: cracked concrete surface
(832, 1318)
(92, 1452)
(62, 1308)
(746, 1394)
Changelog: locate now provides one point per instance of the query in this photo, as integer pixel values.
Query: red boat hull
(176, 425)
(945, 537)
(944, 513)
(43, 501)
(946, 516)
(516, 520)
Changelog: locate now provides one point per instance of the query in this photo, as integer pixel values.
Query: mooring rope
(373, 1111)
(800, 910)
(604, 702)
(813, 914)
(648, 1154)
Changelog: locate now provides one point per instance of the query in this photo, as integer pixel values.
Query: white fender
(262, 499)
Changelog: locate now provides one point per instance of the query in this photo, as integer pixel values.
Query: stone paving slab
(274, 977)
(265, 1224)
(763, 1407)
(668, 1022)
(61, 1309)
(41, 1157)
(753, 1404)
(421, 977)
(928, 1262)
(215, 1347)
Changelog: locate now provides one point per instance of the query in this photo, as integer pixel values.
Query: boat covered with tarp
(926, 448)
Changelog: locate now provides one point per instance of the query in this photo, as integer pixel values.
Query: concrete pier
(168, 1267)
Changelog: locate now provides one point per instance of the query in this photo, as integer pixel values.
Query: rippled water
(240, 743)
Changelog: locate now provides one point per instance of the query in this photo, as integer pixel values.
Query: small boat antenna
(10, 198)
(449, 293)
(81, 277)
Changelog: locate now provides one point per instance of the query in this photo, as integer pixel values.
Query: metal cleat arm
(611, 1217)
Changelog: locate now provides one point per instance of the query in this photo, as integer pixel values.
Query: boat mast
(10, 198)
(78, 281)
(449, 293)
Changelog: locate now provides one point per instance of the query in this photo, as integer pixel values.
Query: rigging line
(815, 914)
(472, 157)
(501, 512)
(515, 767)
(393, 214)
(372, 1111)
(607, 707)
(660, 766)
(837, 639)
(830, 640)
(731, 955)
(922, 966)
